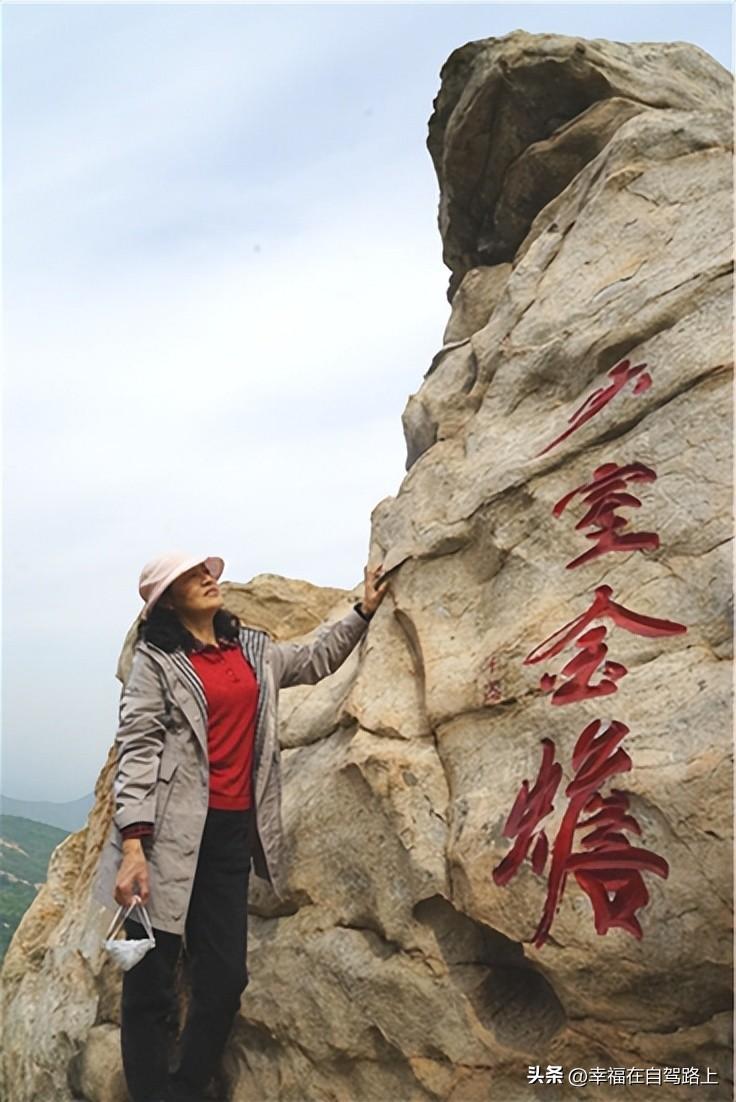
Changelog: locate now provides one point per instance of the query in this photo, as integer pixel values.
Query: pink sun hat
(160, 572)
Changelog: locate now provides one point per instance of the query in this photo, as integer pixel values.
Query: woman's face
(194, 591)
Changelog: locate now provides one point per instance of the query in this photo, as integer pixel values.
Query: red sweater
(231, 690)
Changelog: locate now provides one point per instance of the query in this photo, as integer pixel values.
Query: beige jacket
(163, 773)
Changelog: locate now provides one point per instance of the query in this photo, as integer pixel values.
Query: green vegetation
(25, 849)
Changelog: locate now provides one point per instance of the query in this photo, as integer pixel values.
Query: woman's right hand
(132, 877)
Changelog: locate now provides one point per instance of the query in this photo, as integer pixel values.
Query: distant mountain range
(67, 816)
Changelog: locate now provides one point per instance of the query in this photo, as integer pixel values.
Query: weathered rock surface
(517, 119)
(585, 215)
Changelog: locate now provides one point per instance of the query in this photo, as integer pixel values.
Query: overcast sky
(223, 279)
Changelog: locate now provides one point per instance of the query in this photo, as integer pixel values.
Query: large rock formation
(585, 213)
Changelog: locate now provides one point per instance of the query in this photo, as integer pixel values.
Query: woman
(197, 797)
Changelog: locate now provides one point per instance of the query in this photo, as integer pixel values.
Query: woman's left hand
(374, 591)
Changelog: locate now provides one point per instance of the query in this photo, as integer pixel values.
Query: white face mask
(127, 953)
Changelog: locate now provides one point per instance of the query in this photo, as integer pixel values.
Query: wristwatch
(359, 609)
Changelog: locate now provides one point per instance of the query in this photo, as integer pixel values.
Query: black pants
(216, 943)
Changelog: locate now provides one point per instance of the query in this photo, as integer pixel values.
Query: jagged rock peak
(517, 117)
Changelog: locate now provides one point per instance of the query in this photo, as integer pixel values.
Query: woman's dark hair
(164, 629)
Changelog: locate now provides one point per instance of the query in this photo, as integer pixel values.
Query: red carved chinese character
(605, 494)
(593, 650)
(529, 808)
(611, 863)
(620, 374)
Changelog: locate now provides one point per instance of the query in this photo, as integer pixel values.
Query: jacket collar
(189, 692)
(222, 644)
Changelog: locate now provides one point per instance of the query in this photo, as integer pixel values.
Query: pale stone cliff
(585, 214)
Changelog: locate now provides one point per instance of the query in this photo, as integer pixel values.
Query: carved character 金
(593, 650)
